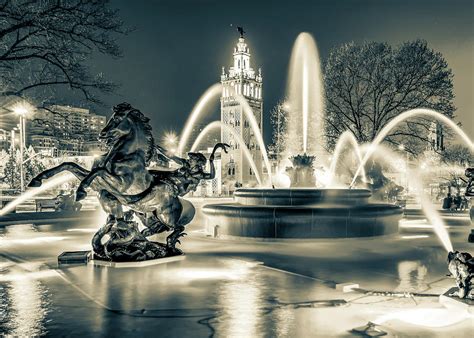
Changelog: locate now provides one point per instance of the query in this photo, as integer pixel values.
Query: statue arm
(212, 173)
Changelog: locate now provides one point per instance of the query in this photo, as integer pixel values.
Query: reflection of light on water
(27, 241)
(82, 230)
(24, 295)
(234, 270)
(17, 277)
(26, 234)
(415, 236)
(26, 300)
(427, 317)
(242, 301)
(412, 276)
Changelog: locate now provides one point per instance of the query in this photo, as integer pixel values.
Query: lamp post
(22, 109)
(401, 147)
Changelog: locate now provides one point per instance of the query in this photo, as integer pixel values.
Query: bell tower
(240, 79)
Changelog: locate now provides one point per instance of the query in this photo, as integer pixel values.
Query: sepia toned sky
(178, 47)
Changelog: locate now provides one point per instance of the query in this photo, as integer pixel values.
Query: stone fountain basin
(302, 213)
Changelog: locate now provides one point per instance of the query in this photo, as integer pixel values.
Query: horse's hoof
(34, 183)
(80, 195)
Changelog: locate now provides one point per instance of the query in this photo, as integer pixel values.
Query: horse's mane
(138, 116)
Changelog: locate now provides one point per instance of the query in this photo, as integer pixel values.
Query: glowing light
(210, 94)
(218, 124)
(60, 179)
(22, 108)
(402, 117)
(82, 230)
(415, 236)
(427, 317)
(347, 138)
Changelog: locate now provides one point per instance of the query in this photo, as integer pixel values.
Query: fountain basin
(302, 213)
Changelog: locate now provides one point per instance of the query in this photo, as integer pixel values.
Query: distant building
(436, 137)
(240, 79)
(69, 131)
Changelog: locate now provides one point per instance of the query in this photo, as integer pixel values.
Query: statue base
(96, 261)
(454, 302)
(74, 257)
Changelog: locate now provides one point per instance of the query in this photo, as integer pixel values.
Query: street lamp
(22, 109)
(401, 147)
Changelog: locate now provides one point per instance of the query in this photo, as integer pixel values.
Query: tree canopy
(44, 46)
(369, 84)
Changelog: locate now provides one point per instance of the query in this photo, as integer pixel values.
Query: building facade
(242, 81)
(69, 131)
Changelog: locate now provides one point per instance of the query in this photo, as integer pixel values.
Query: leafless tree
(45, 46)
(369, 84)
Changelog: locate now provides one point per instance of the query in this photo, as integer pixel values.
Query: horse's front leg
(72, 167)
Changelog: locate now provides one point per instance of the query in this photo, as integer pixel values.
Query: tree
(44, 46)
(458, 154)
(367, 85)
(11, 170)
(279, 122)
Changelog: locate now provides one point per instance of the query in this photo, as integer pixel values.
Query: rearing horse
(121, 177)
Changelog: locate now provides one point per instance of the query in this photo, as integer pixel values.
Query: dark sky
(178, 47)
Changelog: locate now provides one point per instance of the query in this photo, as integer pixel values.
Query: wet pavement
(231, 288)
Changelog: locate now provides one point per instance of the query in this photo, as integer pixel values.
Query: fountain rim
(247, 192)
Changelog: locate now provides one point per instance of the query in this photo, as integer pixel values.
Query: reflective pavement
(226, 288)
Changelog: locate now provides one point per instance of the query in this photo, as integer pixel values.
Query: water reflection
(242, 302)
(412, 275)
(24, 303)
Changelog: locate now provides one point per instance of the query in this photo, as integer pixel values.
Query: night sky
(178, 47)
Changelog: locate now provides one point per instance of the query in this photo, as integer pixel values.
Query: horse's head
(118, 125)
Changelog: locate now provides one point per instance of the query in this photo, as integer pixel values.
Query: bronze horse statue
(122, 179)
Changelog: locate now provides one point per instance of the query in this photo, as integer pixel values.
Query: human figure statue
(241, 31)
(122, 178)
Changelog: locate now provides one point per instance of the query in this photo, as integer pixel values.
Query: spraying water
(256, 131)
(402, 117)
(347, 138)
(218, 125)
(36, 191)
(305, 93)
(209, 95)
(414, 180)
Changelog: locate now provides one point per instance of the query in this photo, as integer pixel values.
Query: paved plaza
(232, 288)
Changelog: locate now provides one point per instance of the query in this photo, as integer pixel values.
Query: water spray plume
(210, 94)
(305, 94)
(404, 116)
(36, 191)
(346, 139)
(219, 125)
(305, 101)
(248, 112)
(414, 180)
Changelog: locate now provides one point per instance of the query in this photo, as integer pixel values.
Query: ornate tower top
(241, 67)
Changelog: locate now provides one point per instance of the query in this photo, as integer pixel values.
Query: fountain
(304, 211)
(302, 172)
